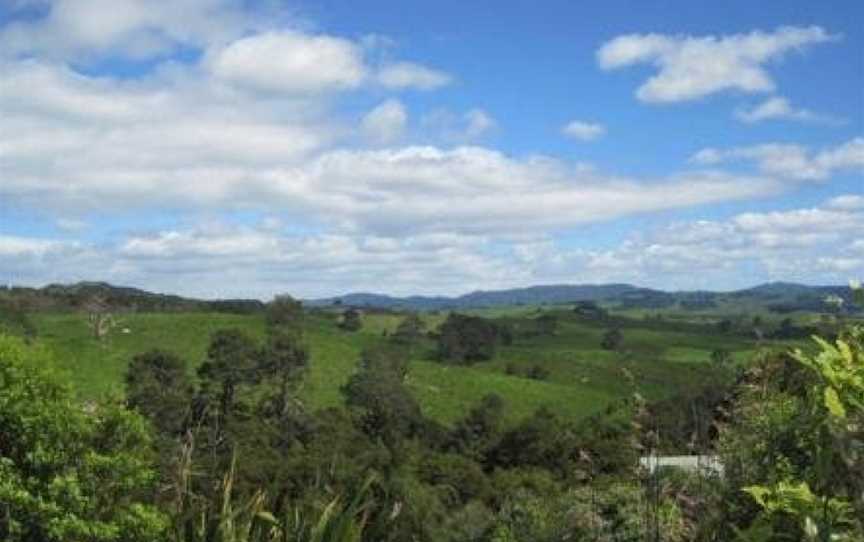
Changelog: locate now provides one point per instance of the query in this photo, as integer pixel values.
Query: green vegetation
(499, 425)
(580, 377)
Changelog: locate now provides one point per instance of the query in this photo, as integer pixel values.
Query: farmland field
(580, 378)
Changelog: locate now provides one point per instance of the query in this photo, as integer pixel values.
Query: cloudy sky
(245, 148)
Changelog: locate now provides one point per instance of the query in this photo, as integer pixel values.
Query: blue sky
(227, 148)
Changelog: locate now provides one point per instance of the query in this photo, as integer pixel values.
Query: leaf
(833, 404)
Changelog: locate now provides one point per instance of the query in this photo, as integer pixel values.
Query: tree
(612, 339)
(351, 320)
(721, 357)
(477, 433)
(158, 387)
(467, 339)
(67, 474)
(286, 314)
(589, 310)
(15, 320)
(547, 324)
(385, 359)
(283, 358)
(409, 332)
(99, 316)
(787, 330)
(231, 361)
(386, 409)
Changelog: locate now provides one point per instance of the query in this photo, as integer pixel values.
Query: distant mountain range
(778, 297)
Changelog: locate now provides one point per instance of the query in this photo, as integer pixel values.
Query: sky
(227, 148)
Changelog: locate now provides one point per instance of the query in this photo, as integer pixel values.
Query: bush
(66, 473)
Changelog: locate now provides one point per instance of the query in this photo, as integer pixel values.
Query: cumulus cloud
(478, 122)
(265, 259)
(139, 29)
(691, 67)
(583, 131)
(779, 108)
(386, 122)
(229, 261)
(442, 124)
(290, 62)
(16, 246)
(816, 245)
(791, 161)
(186, 144)
(401, 75)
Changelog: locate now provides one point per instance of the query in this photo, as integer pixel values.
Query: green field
(582, 378)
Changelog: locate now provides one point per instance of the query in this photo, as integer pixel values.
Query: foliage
(409, 332)
(250, 455)
(817, 486)
(14, 319)
(285, 314)
(66, 473)
(385, 407)
(612, 339)
(467, 339)
(351, 320)
(158, 387)
(231, 362)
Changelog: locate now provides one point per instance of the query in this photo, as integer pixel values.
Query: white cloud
(402, 75)
(779, 108)
(478, 123)
(817, 245)
(474, 189)
(16, 246)
(290, 62)
(820, 244)
(253, 128)
(584, 131)
(791, 161)
(189, 144)
(847, 202)
(442, 124)
(140, 29)
(691, 67)
(386, 122)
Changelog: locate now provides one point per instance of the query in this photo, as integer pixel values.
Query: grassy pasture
(582, 377)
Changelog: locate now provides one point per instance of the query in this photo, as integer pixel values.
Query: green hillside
(580, 378)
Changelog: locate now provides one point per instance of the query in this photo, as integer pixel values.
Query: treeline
(76, 297)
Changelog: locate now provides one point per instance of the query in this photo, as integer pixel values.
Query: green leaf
(833, 404)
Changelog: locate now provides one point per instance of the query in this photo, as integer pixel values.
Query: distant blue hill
(776, 296)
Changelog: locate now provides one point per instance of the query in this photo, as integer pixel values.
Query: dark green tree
(284, 359)
(612, 339)
(351, 320)
(158, 386)
(480, 430)
(409, 332)
(286, 314)
(721, 357)
(385, 407)
(547, 324)
(467, 339)
(232, 360)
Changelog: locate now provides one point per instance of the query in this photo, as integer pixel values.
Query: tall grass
(231, 519)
